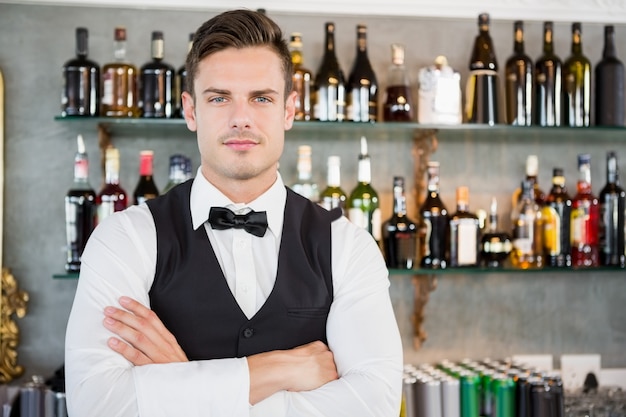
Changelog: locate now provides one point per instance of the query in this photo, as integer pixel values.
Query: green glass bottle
(577, 83)
(333, 195)
(548, 73)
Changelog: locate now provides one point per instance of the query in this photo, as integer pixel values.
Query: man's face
(240, 114)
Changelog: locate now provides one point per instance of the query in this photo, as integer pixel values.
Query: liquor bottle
(548, 108)
(112, 197)
(181, 83)
(399, 233)
(519, 82)
(557, 212)
(305, 186)
(302, 79)
(577, 83)
(612, 206)
(333, 195)
(482, 84)
(434, 223)
(80, 209)
(398, 106)
(81, 81)
(464, 232)
(532, 170)
(362, 87)
(363, 209)
(156, 83)
(527, 233)
(177, 173)
(119, 82)
(609, 79)
(146, 188)
(585, 219)
(330, 88)
(495, 244)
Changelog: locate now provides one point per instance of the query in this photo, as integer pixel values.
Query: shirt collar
(205, 195)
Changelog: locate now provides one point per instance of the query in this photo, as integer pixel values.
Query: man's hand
(144, 338)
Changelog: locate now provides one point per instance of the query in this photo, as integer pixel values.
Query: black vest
(190, 294)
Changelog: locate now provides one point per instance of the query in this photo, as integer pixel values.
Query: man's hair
(237, 29)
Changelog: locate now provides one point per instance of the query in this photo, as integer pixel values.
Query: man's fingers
(127, 351)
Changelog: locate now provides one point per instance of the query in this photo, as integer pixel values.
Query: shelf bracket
(423, 285)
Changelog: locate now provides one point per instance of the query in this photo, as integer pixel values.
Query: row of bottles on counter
(486, 388)
(84, 207)
(548, 92)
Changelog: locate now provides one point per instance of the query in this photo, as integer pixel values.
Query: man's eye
(217, 100)
(262, 99)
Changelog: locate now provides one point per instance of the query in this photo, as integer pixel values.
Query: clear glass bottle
(398, 105)
(363, 208)
(495, 244)
(177, 173)
(81, 81)
(333, 195)
(156, 83)
(585, 219)
(80, 210)
(548, 108)
(112, 197)
(527, 232)
(330, 84)
(557, 212)
(146, 188)
(399, 233)
(119, 82)
(362, 87)
(434, 225)
(464, 232)
(577, 83)
(609, 88)
(302, 79)
(305, 186)
(181, 83)
(612, 206)
(519, 81)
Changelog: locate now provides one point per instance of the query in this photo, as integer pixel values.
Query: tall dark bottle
(81, 81)
(181, 83)
(556, 213)
(577, 83)
(146, 188)
(612, 205)
(362, 87)
(398, 105)
(609, 88)
(330, 85)
(548, 108)
(519, 81)
(112, 197)
(482, 84)
(156, 83)
(399, 233)
(302, 79)
(80, 210)
(434, 223)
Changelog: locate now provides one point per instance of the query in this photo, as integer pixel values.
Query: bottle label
(107, 89)
(552, 231)
(370, 221)
(579, 226)
(428, 230)
(467, 242)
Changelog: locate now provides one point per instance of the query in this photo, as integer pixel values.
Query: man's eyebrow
(215, 90)
(266, 91)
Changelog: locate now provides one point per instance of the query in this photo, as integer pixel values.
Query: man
(178, 316)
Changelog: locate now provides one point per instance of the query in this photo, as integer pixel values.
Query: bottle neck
(145, 166)
(112, 171)
(120, 50)
(548, 46)
(399, 201)
(330, 40)
(364, 174)
(81, 168)
(158, 49)
(296, 58)
(609, 43)
(612, 176)
(577, 47)
(304, 169)
(584, 179)
(334, 176)
(518, 45)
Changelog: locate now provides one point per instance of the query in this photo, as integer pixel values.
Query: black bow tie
(254, 222)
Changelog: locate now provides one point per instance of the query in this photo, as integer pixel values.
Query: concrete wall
(492, 315)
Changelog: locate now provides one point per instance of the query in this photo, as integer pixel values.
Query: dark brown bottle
(399, 233)
(612, 205)
(146, 188)
(119, 82)
(302, 79)
(556, 214)
(519, 81)
(398, 106)
(81, 81)
(362, 87)
(434, 224)
(330, 87)
(609, 89)
(577, 83)
(548, 108)
(495, 245)
(156, 83)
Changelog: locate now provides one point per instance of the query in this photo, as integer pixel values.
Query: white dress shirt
(120, 259)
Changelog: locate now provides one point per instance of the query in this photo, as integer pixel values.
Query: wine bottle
(177, 174)
(519, 81)
(333, 195)
(609, 89)
(302, 79)
(362, 87)
(363, 209)
(585, 218)
(527, 234)
(399, 233)
(156, 83)
(464, 232)
(548, 108)
(557, 212)
(112, 197)
(146, 188)
(181, 83)
(398, 106)
(433, 233)
(577, 83)
(495, 245)
(482, 84)
(532, 172)
(330, 87)
(80, 210)
(612, 206)
(81, 81)
(305, 186)
(119, 82)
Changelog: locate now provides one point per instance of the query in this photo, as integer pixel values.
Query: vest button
(248, 333)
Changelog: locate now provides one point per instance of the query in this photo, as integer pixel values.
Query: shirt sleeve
(120, 260)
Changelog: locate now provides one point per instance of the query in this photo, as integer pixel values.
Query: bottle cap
(462, 194)
(120, 33)
(532, 165)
